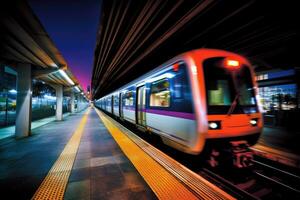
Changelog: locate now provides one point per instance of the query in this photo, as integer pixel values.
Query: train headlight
(232, 64)
(213, 125)
(253, 122)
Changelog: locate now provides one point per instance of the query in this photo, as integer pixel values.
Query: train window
(225, 88)
(128, 98)
(180, 81)
(177, 89)
(108, 100)
(218, 93)
(244, 81)
(116, 100)
(160, 93)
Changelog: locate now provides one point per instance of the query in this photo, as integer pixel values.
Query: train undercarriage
(234, 152)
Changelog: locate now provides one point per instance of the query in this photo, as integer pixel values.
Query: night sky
(72, 25)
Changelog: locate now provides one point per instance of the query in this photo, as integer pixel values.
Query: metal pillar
(24, 100)
(59, 102)
(79, 103)
(72, 102)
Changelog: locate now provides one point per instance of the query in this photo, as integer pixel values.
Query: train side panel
(176, 104)
(116, 104)
(169, 109)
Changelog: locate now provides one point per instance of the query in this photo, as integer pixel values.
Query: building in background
(8, 95)
(278, 91)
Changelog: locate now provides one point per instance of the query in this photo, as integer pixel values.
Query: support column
(59, 102)
(72, 102)
(24, 100)
(79, 103)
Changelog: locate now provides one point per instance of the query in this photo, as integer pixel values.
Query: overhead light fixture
(77, 88)
(53, 65)
(64, 74)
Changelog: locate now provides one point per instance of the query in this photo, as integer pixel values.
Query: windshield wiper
(234, 103)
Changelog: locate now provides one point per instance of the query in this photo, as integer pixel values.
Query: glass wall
(278, 97)
(43, 100)
(278, 91)
(8, 96)
(66, 104)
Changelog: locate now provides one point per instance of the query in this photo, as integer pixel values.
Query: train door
(112, 104)
(141, 106)
(121, 106)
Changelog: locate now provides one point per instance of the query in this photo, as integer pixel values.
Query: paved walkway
(100, 170)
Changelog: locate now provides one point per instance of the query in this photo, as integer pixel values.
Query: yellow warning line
(54, 185)
(163, 184)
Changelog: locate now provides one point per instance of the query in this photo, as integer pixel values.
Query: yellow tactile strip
(163, 184)
(54, 184)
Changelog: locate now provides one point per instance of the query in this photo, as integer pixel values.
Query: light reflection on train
(204, 100)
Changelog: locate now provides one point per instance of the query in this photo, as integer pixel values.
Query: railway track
(261, 181)
(287, 180)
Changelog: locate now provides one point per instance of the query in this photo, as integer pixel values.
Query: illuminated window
(128, 98)
(108, 100)
(116, 100)
(160, 94)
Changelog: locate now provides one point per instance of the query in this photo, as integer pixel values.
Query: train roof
(203, 52)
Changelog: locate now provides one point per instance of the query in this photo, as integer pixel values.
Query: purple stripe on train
(172, 113)
(184, 115)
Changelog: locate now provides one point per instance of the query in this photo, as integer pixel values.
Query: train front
(233, 117)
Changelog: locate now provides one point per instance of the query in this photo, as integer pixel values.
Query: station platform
(88, 156)
(279, 145)
(99, 168)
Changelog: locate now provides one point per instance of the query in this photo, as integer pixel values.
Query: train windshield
(228, 91)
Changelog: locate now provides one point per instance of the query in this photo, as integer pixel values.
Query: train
(204, 100)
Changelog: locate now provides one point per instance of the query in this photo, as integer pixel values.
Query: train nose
(236, 121)
(241, 121)
(233, 125)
